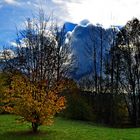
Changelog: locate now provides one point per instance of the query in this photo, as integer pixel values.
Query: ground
(63, 130)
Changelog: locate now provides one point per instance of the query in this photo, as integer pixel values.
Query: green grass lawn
(63, 130)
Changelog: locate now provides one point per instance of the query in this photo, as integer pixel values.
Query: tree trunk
(95, 69)
(101, 61)
(34, 127)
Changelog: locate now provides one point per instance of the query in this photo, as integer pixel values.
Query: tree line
(119, 70)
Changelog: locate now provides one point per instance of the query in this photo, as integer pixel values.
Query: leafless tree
(41, 52)
(128, 69)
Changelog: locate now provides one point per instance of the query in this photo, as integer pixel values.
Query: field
(63, 130)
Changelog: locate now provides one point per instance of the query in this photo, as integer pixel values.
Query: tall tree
(41, 52)
(42, 61)
(129, 44)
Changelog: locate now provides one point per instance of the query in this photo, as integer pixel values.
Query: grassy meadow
(63, 130)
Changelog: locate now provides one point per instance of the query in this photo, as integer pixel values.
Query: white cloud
(7, 54)
(22, 43)
(14, 44)
(58, 1)
(12, 2)
(66, 1)
(106, 12)
(29, 3)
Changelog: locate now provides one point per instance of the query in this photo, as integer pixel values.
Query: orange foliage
(33, 102)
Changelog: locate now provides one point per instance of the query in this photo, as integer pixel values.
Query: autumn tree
(41, 61)
(32, 102)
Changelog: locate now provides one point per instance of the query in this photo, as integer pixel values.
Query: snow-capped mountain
(83, 38)
(68, 26)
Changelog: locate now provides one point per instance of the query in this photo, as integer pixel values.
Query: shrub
(78, 107)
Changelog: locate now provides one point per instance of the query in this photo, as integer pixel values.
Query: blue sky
(106, 12)
(13, 14)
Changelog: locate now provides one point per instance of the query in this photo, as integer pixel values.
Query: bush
(78, 108)
(4, 84)
(120, 111)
